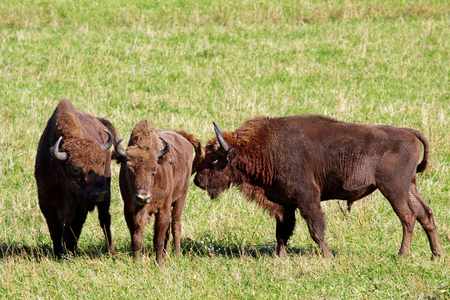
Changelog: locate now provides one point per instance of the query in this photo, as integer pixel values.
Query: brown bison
(73, 175)
(296, 162)
(154, 179)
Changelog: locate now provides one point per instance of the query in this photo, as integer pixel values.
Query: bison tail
(426, 149)
(199, 150)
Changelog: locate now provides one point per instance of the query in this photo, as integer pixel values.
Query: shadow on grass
(205, 247)
(24, 251)
(45, 252)
(213, 248)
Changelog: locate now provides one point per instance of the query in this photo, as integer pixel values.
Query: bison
(73, 174)
(154, 179)
(295, 162)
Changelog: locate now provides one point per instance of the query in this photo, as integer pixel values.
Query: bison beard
(295, 162)
(73, 175)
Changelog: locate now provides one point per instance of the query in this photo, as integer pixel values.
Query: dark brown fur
(164, 180)
(298, 161)
(69, 189)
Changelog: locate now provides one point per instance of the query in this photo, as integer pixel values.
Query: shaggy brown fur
(152, 185)
(68, 189)
(298, 161)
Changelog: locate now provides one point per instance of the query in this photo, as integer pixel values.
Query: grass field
(184, 64)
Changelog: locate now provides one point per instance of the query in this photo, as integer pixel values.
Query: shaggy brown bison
(73, 175)
(296, 162)
(154, 179)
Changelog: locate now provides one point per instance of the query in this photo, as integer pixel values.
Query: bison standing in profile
(73, 175)
(296, 162)
(154, 179)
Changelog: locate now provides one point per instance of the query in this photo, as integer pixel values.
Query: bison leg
(399, 198)
(105, 223)
(72, 231)
(177, 210)
(166, 249)
(315, 219)
(162, 222)
(285, 228)
(425, 217)
(135, 227)
(55, 227)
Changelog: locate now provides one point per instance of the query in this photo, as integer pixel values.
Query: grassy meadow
(184, 64)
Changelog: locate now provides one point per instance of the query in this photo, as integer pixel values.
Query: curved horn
(106, 145)
(223, 144)
(165, 150)
(218, 128)
(56, 153)
(119, 150)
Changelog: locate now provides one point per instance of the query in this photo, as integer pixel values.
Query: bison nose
(144, 197)
(99, 195)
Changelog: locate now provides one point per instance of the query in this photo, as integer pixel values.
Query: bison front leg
(285, 228)
(105, 223)
(72, 231)
(55, 227)
(162, 223)
(135, 227)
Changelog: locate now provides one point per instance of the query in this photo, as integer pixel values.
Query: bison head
(140, 164)
(213, 173)
(84, 169)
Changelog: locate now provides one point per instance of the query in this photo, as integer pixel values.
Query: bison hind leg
(399, 200)
(425, 217)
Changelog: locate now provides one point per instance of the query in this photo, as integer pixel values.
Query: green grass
(184, 64)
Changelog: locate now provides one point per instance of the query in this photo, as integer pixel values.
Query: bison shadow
(45, 251)
(27, 252)
(210, 247)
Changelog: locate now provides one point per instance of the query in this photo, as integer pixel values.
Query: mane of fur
(66, 122)
(254, 159)
(199, 150)
(144, 135)
(257, 194)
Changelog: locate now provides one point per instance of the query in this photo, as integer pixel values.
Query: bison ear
(232, 153)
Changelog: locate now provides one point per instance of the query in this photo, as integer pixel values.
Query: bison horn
(223, 144)
(164, 151)
(119, 150)
(106, 145)
(56, 153)
(217, 127)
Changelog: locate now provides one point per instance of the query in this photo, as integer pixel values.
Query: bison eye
(213, 161)
(75, 170)
(130, 167)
